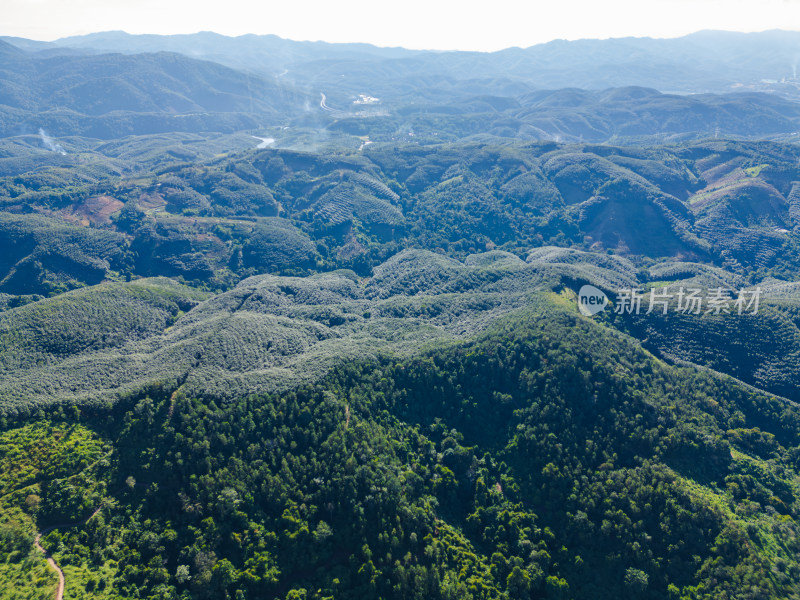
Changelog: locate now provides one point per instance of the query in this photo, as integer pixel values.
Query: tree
(636, 580)
(182, 574)
(32, 502)
(518, 583)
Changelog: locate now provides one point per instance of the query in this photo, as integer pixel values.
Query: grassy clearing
(29, 579)
(44, 450)
(83, 581)
(756, 170)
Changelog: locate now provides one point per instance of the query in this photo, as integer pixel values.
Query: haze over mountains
(512, 93)
(707, 61)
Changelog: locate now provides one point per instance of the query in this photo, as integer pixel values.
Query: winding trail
(323, 104)
(37, 540)
(53, 565)
(265, 141)
(36, 543)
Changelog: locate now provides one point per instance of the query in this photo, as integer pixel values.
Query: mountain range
(293, 320)
(75, 86)
(707, 61)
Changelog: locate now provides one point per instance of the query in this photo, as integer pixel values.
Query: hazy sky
(467, 25)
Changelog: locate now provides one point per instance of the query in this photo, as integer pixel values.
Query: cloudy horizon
(419, 25)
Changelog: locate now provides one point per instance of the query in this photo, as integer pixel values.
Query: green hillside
(439, 242)
(549, 457)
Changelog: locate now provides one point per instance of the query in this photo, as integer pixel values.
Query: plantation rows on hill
(728, 205)
(272, 333)
(496, 224)
(267, 333)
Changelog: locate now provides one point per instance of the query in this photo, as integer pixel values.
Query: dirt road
(61, 581)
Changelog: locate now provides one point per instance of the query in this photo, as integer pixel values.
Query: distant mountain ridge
(151, 82)
(110, 95)
(627, 90)
(705, 61)
(71, 92)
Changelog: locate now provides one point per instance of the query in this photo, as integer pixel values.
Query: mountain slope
(107, 95)
(151, 82)
(549, 457)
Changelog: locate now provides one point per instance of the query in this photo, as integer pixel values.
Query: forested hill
(550, 458)
(110, 95)
(176, 206)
